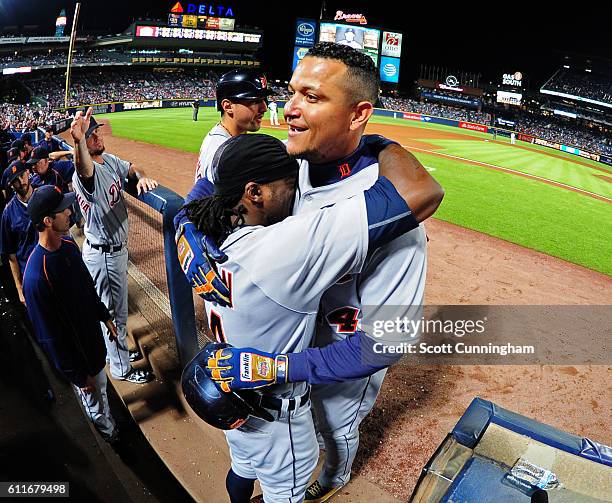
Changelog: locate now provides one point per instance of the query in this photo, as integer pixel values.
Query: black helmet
(218, 408)
(242, 84)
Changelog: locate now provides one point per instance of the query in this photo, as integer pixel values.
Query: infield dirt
(419, 405)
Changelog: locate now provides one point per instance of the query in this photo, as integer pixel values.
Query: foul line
(501, 168)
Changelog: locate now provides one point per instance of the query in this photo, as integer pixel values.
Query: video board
(367, 40)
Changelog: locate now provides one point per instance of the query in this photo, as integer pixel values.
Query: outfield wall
(123, 106)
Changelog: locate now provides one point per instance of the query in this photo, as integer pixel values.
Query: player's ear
(253, 193)
(226, 105)
(47, 222)
(362, 112)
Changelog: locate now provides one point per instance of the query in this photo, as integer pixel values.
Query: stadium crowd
(101, 87)
(585, 85)
(435, 109)
(24, 118)
(100, 56)
(556, 131)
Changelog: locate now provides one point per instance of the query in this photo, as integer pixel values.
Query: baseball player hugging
(336, 162)
(304, 256)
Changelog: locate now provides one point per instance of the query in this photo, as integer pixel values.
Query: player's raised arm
(78, 129)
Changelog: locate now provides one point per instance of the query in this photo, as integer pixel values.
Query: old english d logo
(344, 169)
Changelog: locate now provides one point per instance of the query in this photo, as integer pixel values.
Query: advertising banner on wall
(298, 55)
(138, 105)
(389, 69)
(412, 117)
(391, 44)
(606, 159)
(305, 30)
(473, 127)
(469, 102)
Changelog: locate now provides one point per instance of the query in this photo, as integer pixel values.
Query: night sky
(489, 38)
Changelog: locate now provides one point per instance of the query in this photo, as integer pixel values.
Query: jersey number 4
(345, 319)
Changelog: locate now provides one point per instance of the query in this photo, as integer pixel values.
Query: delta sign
(202, 9)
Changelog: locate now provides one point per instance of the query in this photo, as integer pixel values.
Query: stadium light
(587, 70)
(566, 66)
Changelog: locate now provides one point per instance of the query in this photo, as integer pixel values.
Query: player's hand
(90, 385)
(246, 368)
(112, 330)
(145, 185)
(80, 124)
(197, 255)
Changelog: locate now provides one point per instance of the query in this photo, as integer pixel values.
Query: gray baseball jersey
(393, 278)
(211, 142)
(106, 220)
(106, 223)
(275, 288)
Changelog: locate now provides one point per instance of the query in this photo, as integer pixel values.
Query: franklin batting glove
(197, 255)
(246, 368)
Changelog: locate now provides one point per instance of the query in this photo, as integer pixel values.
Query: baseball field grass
(570, 219)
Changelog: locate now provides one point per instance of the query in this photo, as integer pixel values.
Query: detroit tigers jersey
(276, 285)
(18, 235)
(106, 219)
(394, 275)
(59, 174)
(212, 141)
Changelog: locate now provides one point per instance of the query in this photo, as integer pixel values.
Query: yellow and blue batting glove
(246, 368)
(197, 256)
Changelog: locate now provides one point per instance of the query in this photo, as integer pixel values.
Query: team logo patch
(246, 368)
(344, 169)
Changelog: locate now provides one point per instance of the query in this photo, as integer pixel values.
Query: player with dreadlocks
(217, 216)
(278, 268)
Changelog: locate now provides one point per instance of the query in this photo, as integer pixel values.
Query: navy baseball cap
(12, 153)
(19, 145)
(37, 154)
(93, 125)
(48, 200)
(16, 168)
